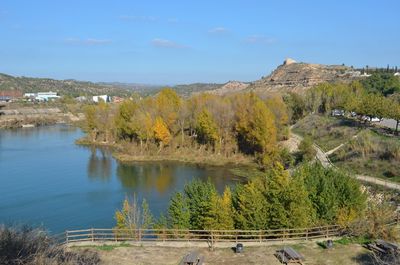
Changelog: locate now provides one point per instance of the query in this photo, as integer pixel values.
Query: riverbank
(185, 155)
(28, 117)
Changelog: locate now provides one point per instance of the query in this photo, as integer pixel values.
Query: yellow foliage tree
(161, 132)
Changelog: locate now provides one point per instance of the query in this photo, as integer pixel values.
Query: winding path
(325, 162)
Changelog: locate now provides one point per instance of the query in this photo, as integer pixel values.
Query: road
(325, 162)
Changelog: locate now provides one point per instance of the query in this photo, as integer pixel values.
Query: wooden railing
(212, 236)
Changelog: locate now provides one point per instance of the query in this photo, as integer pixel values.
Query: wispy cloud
(88, 41)
(260, 39)
(218, 30)
(163, 43)
(138, 18)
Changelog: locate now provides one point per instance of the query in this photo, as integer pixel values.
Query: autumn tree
(206, 128)
(161, 132)
(255, 125)
(168, 104)
(133, 215)
(123, 118)
(278, 107)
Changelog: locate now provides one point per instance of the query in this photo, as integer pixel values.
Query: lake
(47, 180)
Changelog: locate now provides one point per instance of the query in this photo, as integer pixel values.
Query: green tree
(306, 149)
(221, 214)
(178, 212)
(335, 195)
(382, 83)
(199, 195)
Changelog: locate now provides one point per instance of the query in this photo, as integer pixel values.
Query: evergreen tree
(199, 195)
(178, 212)
(221, 215)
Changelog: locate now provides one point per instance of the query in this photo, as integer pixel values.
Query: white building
(45, 96)
(104, 98)
(42, 96)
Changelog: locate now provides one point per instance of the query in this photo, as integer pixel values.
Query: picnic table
(384, 248)
(289, 255)
(192, 258)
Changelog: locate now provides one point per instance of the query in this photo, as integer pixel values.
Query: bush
(306, 149)
(25, 245)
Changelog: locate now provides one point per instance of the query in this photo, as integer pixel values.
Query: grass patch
(104, 247)
(326, 131)
(370, 154)
(352, 240)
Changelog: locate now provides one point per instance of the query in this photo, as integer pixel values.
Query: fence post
(307, 234)
(92, 234)
(260, 236)
(66, 236)
(327, 231)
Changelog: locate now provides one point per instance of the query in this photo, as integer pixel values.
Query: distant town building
(9, 95)
(81, 99)
(99, 98)
(117, 99)
(42, 96)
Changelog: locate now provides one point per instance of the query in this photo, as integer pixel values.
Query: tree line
(312, 196)
(376, 96)
(242, 123)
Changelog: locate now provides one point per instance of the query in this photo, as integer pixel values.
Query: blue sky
(171, 42)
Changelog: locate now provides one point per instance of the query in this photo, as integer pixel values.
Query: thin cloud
(218, 30)
(89, 41)
(163, 43)
(138, 18)
(260, 39)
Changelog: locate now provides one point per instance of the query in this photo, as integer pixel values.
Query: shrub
(25, 245)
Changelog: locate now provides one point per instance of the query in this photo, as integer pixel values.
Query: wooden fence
(211, 236)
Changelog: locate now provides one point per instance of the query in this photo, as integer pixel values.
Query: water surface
(46, 180)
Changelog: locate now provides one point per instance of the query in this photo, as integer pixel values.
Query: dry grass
(315, 255)
(328, 132)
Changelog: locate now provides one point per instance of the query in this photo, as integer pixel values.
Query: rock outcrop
(298, 77)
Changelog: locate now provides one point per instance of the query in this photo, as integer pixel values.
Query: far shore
(193, 158)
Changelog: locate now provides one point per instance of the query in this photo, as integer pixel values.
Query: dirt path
(325, 161)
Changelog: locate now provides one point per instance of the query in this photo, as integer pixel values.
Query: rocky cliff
(298, 77)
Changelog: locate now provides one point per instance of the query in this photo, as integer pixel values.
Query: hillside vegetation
(63, 87)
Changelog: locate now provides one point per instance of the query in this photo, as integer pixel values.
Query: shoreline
(209, 160)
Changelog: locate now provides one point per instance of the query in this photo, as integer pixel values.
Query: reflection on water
(99, 164)
(48, 180)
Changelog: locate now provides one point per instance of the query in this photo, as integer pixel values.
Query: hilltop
(298, 77)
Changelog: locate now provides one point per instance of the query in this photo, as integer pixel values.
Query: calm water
(47, 180)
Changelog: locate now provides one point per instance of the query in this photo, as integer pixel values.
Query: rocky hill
(298, 77)
(230, 87)
(63, 87)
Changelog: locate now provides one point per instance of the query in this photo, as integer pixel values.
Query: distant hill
(298, 77)
(228, 88)
(77, 88)
(63, 87)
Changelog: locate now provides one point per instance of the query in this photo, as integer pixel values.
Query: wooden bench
(192, 258)
(289, 255)
(376, 249)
